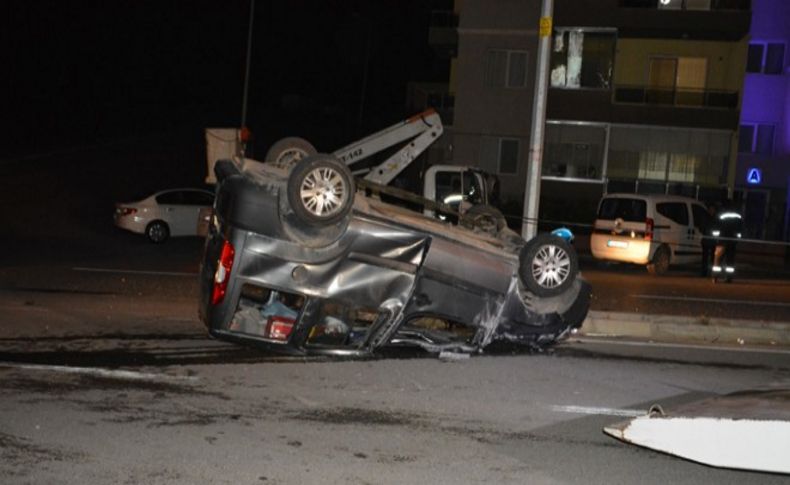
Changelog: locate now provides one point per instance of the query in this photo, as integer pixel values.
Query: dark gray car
(301, 262)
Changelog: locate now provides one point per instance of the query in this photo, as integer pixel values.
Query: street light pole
(529, 228)
(247, 67)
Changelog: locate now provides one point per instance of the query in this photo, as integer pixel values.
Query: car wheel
(660, 263)
(484, 218)
(547, 265)
(287, 151)
(320, 190)
(157, 232)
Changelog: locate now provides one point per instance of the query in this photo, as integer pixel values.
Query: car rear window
(629, 210)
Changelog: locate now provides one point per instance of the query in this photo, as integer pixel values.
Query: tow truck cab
(455, 184)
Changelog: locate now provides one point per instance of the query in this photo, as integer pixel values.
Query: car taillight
(222, 275)
(279, 328)
(126, 211)
(648, 229)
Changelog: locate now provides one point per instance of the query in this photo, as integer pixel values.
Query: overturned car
(305, 260)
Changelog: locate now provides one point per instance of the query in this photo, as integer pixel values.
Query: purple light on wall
(766, 97)
(786, 144)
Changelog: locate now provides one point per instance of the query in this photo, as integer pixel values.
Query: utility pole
(247, 67)
(529, 228)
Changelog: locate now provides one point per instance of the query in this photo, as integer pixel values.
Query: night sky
(77, 73)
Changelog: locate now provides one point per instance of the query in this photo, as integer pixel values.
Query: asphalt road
(106, 387)
(106, 375)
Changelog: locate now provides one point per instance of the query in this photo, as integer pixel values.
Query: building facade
(762, 177)
(644, 96)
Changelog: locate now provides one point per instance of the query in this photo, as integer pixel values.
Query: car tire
(320, 190)
(660, 263)
(548, 265)
(157, 232)
(285, 153)
(484, 218)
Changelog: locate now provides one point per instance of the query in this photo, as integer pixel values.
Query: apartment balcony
(443, 32)
(699, 98)
(646, 106)
(721, 20)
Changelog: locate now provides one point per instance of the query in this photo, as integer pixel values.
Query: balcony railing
(689, 4)
(707, 98)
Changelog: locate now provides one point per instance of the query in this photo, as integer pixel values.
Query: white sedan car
(167, 213)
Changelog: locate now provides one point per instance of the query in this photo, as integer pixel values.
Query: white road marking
(712, 300)
(132, 271)
(98, 371)
(632, 343)
(631, 413)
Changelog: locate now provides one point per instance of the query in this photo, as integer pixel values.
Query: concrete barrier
(673, 328)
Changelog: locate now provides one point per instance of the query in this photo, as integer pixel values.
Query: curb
(675, 328)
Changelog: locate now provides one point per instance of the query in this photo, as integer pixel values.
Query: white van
(652, 230)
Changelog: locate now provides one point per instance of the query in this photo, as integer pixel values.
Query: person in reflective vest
(726, 230)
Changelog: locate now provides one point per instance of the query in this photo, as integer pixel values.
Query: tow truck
(454, 188)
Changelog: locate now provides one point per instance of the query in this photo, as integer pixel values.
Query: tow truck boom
(423, 128)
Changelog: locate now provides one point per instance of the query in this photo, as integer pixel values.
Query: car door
(175, 212)
(675, 230)
(189, 212)
(702, 221)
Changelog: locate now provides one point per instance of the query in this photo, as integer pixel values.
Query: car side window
(473, 193)
(170, 198)
(448, 188)
(194, 197)
(674, 211)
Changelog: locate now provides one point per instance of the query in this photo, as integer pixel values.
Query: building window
(677, 80)
(653, 153)
(582, 59)
(509, 149)
(506, 68)
(756, 138)
(574, 151)
(766, 57)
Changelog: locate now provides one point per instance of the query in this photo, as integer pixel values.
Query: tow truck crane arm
(422, 129)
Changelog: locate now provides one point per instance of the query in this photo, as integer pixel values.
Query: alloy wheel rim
(323, 191)
(551, 266)
(289, 157)
(157, 232)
